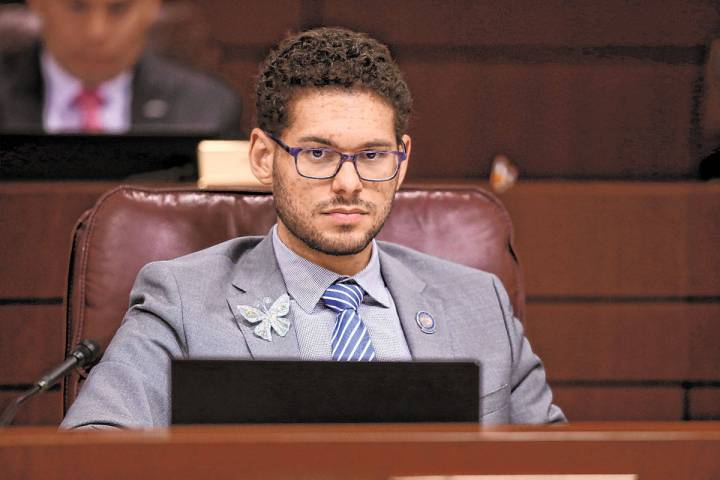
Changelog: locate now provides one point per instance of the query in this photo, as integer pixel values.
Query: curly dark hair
(328, 58)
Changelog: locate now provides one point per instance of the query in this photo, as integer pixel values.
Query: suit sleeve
(530, 398)
(130, 386)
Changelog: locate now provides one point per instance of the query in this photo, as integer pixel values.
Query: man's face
(338, 216)
(95, 40)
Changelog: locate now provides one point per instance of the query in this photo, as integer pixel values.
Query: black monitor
(98, 157)
(267, 391)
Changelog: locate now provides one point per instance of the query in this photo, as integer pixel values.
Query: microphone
(85, 353)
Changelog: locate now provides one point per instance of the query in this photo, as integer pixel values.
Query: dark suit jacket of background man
(166, 98)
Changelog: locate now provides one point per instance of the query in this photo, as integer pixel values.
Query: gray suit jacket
(187, 307)
(166, 98)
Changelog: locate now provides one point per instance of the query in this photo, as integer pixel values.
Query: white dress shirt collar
(61, 88)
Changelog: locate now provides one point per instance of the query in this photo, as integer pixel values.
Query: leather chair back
(131, 226)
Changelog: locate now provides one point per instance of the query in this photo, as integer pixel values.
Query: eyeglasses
(323, 163)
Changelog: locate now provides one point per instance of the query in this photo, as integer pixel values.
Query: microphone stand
(85, 353)
(9, 413)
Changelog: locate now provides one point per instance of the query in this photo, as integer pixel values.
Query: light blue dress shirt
(314, 323)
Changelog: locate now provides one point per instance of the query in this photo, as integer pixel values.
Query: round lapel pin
(425, 321)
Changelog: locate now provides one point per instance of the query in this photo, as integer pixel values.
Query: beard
(299, 222)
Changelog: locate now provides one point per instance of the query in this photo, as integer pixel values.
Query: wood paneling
(252, 22)
(32, 340)
(565, 90)
(705, 403)
(243, 74)
(617, 239)
(556, 22)
(43, 409)
(634, 341)
(703, 240)
(585, 404)
(36, 221)
(551, 120)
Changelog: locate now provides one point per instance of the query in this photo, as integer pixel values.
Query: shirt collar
(63, 87)
(307, 281)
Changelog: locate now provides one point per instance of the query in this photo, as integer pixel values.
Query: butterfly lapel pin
(269, 316)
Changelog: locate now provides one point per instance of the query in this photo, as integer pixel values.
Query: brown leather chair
(131, 226)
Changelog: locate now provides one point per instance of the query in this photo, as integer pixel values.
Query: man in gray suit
(93, 74)
(332, 110)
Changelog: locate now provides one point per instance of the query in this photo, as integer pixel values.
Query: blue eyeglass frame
(344, 157)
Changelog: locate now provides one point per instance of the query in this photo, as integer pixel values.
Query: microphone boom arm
(85, 353)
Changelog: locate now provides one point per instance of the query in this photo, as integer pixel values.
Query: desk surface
(650, 450)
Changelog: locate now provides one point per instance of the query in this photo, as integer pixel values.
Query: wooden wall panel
(566, 90)
(617, 240)
(704, 341)
(36, 221)
(32, 340)
(43, 409)
(703, 240)
(556, 22)
(705, 403)
(252, 22)
(243, 74)
(626, 342)
(584, 121)
(585, 404)
(468, 22)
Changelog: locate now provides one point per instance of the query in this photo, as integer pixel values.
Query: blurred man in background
(91, 73)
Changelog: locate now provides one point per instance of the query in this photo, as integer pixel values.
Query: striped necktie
(350, 339)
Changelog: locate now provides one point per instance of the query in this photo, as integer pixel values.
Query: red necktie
(89, 103)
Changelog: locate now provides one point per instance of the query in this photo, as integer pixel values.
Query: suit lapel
(410, 296)
(256, 277)
(151, 106)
